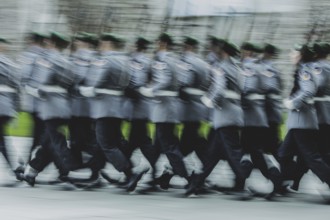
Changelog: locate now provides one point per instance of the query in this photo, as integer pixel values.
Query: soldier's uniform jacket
(109, 76)
(52, 80)
(272, 87)
(303, 116)
(321, 72)
(136, 105)
(212, 58)
(8, 87)
(194, 77)
(225, 93)
(165, 86)
(26, 62)
(253, 98)
(80, 64)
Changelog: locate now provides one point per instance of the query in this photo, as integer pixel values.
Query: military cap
(39, 35)
(3, 40)
(307, 53)
(142, 42)
(190, 41)
(250, 47)
(112, 37)
(82, 37)
(165, 37)
(271, 49)
(321, 48)
(56, 36)
(230, 48)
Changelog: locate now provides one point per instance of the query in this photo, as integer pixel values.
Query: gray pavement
(53, 203)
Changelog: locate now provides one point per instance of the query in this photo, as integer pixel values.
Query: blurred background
(281, 22)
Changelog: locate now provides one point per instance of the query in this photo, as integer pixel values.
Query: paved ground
(53, 203)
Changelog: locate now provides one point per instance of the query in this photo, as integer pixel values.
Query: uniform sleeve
(307, 89)
(218, 86)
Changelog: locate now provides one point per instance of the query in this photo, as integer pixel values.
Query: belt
(255, 96)
(229, 94)
(193, 91)
(53, 89)
(274, 96)
(322, 99)
(166, 93)
(4, 88)
(109, 92)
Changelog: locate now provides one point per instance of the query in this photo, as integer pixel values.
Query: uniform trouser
(272, 138)
(226, 145)
(324, 142)
(38, 132)
(3, 122)
(254, 141)
(302, 142)
(166, 142)
(83, 138)
(109, 138)
(139, 138)
(192, 141)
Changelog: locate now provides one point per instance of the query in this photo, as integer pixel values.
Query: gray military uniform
(195, 79)
(8, 87)
(81, 61)
(321, 72)
(253, 98)
(26, 61)
(303, 116)
(139, 68)
(52, 80)
(165, 88)
(272, 87)
(225, 93)
(109, 77)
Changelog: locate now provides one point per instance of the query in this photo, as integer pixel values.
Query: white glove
(147, 92)
(87, 91)
(288, 104)
(207, 102)
(32, 91)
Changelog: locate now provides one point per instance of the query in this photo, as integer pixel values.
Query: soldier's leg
(307, 146)
(324, 142)
(272, 138)
(188, 137)
(3, 149)
(169, 144)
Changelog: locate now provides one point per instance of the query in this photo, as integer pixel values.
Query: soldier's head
(142, 44)
(109, 42)
(3, 44)
(85, 40)
(213, 42)
(321, 49)
(249, 49)
(59, 41)
(190, 44)
(228, 50)
(165, 41)
(302, 54)
(270, 51)
(37, 38)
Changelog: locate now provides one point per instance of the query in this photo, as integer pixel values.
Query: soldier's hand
(288, 104)
(207, 102)
(87, 91)
(147, 92)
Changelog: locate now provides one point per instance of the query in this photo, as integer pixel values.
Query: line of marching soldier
(238, 92)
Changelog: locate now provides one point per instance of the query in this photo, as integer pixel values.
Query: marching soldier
(302, 123)
(138, 106)
(253, 137)
(50, 83)
(224, 98)
(26, 61)
(165, 90)
(82, 132)
(8, 95)
(105, 84)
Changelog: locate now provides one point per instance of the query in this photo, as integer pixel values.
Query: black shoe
(194, 185)
(108, 178)
(164, 180)
(19, 173)
(135, 178)
(243, 195)
(30, 180)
